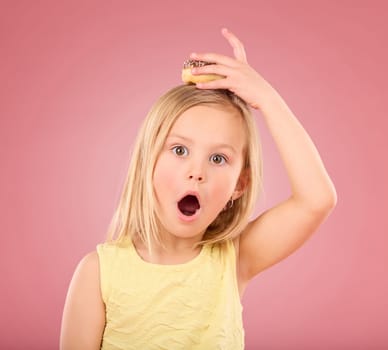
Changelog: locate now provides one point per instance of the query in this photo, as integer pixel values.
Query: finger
(238, 47)
(214, 58)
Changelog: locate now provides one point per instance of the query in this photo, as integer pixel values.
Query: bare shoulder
(86, 278)
(89, 264)
(87, 272)
(83, 317)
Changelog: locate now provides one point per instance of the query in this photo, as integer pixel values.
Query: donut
(187, 77)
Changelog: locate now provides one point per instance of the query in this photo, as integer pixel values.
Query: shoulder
(111, 248)
(86, 277)
(90, 260)
(107, 255)
(88, 270)
(89, 263)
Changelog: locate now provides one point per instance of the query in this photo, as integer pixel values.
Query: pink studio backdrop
(77, 78)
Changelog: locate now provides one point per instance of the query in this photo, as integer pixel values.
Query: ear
(241, 185)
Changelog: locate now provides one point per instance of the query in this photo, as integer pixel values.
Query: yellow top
(194, 305)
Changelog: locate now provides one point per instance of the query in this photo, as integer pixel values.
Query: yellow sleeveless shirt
(195, 305)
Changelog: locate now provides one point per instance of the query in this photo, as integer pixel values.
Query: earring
(229, 204)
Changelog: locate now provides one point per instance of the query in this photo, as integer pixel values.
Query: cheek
(163, 176)
(223, 188)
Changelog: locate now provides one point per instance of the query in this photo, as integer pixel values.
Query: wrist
(270, 99)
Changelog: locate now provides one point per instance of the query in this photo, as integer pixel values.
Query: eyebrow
(217, 145)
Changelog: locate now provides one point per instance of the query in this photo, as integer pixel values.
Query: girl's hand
(240, 78)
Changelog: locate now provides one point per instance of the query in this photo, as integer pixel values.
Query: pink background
(76, 80)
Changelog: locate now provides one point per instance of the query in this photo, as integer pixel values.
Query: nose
(198, 178)
(196, 172)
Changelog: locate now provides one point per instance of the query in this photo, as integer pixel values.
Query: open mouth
(188, 205)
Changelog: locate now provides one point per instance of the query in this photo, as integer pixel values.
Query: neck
(173, 251)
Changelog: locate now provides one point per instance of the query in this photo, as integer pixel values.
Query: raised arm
(83, 318)
(280, 230)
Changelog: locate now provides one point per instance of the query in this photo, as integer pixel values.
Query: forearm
(308, 177)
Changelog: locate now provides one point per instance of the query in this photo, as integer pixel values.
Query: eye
(218, 159)
(180, 151)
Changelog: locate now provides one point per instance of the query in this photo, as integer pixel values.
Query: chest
(178, 310)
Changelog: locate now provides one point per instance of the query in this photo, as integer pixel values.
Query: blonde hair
(136, 211)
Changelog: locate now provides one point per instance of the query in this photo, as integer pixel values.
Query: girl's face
(198, 169)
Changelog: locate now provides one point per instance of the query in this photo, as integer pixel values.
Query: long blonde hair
(136, 214)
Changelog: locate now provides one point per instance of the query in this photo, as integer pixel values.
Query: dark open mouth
(188, 205)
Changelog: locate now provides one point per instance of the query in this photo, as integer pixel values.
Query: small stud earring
(229, 204)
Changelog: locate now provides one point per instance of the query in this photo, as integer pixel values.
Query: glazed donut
(187, 77)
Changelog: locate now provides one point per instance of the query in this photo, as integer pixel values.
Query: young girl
(181, 250)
